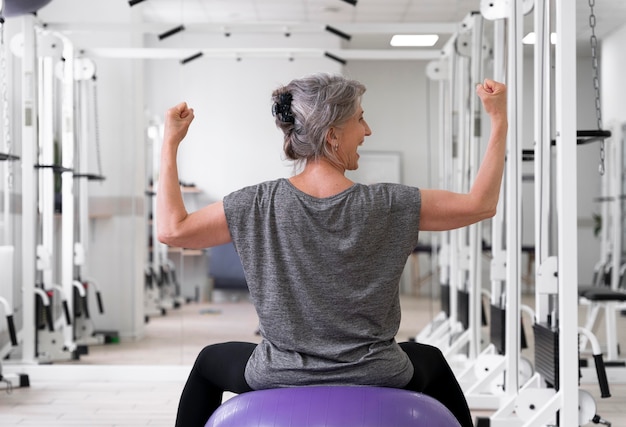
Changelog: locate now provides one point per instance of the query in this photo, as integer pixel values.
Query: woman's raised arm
(175, 226)
(446, 210)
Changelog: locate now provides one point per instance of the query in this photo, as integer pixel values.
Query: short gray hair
(306, 108)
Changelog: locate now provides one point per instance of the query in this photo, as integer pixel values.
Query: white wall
(613, 86)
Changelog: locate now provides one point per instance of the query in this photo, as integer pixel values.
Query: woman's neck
(320, 178)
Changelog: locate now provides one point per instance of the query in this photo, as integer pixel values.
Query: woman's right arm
(175, 226)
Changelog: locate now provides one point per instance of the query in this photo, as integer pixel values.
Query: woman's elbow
(491, 212)
(163, 238)
(167, 236)
(483, 211)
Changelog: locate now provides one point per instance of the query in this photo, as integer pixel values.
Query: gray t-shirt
(324, 277)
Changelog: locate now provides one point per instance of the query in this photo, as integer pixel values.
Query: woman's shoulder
(255, 191)
(264, 185)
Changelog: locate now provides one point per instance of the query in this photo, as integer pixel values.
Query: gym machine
(607, 292)
(497, 371)
(456, 329)
(162, 290)
(8, 331)
(552, 396)
(88, 131)
(47, 261)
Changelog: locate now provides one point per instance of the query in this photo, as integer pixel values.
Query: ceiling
(326, 11)
(369, 22)
(369, 25)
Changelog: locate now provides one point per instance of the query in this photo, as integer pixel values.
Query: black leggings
(220, 367)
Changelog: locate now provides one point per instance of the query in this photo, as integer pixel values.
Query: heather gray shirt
(324, 277)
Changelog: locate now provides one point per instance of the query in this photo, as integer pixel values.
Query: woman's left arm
(446, 210)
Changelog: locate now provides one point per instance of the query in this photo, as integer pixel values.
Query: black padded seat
(602, 293)
(582, 290)
(600, 290)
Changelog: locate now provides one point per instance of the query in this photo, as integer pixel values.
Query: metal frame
(610, 256)
(29, 176)
(535, 404)
(460, 147)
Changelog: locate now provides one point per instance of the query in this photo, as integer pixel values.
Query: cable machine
(47, 242)
(8, 335)
(609, 282)
(157, 296)
(606, 294)
(497, 371)
(456, 329)
(88, 132)
(551, 396)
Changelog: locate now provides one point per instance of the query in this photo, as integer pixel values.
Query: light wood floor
(139, 383)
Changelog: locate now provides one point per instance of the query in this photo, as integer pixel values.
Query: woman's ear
(331, 136)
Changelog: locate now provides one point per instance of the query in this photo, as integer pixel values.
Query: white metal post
(618, 200)
(513, 195)
(566, 198)
(542, 140)
(45, 174)
(498, 233)
(615, 178)
(82, 161)
(67, 182)
(29, 202)
(448, 161)
(456, 136)
(445, 156)
(475, 230)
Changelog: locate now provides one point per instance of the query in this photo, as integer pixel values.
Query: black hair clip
(282, 108)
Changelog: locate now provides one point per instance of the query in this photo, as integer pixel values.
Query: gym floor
(138, 383)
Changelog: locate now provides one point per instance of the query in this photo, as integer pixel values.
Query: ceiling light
(530, 38)
(414, 40)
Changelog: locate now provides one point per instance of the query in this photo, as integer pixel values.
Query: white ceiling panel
(371, 22)
(611, 14)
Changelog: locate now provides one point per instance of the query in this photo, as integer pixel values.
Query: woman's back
(324, 275)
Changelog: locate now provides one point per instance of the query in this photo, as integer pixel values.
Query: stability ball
(336, 406)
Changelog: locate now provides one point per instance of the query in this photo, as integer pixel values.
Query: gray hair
(306, 108)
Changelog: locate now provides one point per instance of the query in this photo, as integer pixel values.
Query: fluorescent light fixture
(335, 58)
(171, 32)
(191, 58)
(531, 38)
(339, 33)
(424, 40)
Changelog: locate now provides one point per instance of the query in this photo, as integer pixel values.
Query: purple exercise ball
(336, 406)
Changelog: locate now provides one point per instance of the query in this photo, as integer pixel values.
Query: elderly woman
(323, 255)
